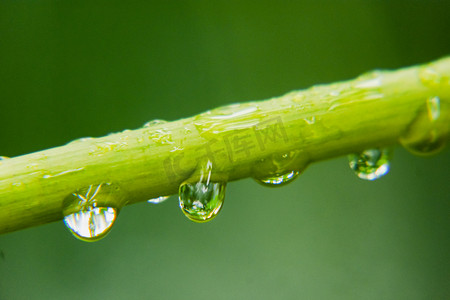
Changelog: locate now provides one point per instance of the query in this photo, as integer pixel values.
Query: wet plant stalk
(374, 110)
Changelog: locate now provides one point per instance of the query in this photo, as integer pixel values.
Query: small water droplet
(433, 108)
(283, 168)
(154, 122)
(106, 147)
(335, 93)
(426, 133)
(158, 199)
(370, 164)
(161, 136)
(202, 200)
(430, 77)
(310, 120)
(17, 184)
(369, 80)
(81, 140)
(279, 179)
(91, 212)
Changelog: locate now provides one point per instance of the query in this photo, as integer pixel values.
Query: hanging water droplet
(426, 134)
(370, 164)
(93, 217)
(202, 200)
(154, 122)
(158, 199)
(279, 179)
(283, 168)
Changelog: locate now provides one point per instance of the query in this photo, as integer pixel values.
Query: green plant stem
(326, 121)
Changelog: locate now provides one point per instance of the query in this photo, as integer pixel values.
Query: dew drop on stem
(154, 123)
(201, 197)
(281, 167)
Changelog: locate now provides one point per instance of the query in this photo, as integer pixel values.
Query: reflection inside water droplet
(91, 224)
(201, 201)
(88, 215)
(158, 199)
(370, 164)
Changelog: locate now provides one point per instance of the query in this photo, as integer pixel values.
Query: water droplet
(430, 77)
(278, 179)
(80, 140)
(161, 136)
(426, 133)
(433, 108)
(335, 93)
(369, 80)
(201, 200)
(92, 211)
(154, 122)
(106, 147)
(282, 168)
(370, 164)
(158, 199)
(310, 120)
(92, 224)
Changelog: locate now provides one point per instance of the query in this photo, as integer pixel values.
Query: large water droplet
(370, 164)
(202, 200)
(426, 133)
(93, 218)
(91, 224)
(158, 199)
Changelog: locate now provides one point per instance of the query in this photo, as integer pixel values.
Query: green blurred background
(70, 69)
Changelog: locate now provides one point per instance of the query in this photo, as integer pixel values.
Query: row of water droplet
(201, 197)
(90, 216)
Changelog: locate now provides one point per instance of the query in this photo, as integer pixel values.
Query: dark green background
(70, 69)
